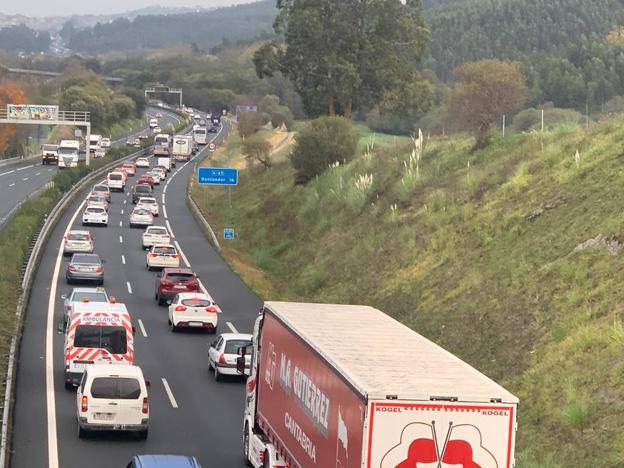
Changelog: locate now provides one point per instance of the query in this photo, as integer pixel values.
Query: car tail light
(168, 284)
(145, 407)
(262, 454)
(212, 310)
(84, 403)
(153, 255)
(175, 256)
(67, 307)
(222, 359)
(180, 308)
(99, 269)
(72, 268)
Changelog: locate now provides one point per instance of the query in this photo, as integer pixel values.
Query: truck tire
(246, 445)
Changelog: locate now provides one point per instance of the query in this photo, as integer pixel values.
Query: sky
(81, 7)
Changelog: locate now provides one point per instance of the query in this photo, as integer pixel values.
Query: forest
(21, 38)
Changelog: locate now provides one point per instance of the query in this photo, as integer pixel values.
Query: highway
(20, 179)
(190, 413)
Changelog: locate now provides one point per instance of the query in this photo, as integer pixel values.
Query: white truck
(68, 153)
(350, 387)
(94, 142)
(49, 154)
(166, 162)
(162, 145)
(153, 123)
(182, 148)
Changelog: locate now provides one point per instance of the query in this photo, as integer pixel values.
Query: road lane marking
(25, 179)
(125, 201)
(11, 185)
(120, 223)
(172, 399)
(129, 287)
(25, 167)
(38, 173)
(169, 227)
(163, 198)
(142, 328)
(121, 211)
(53, 457)
(231, 327)
(120, 239)
(188, 265)
(49, 170)
(8, 172)
(123, 259)
(165, 211)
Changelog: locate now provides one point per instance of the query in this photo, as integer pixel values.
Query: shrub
(282, 115)
(320, 143)
(531, 119)
(257, 150)
(250, 123)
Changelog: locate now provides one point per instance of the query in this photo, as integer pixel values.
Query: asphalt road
(20, 179)
(201, 417)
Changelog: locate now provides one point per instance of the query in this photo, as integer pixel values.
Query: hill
(206, 29)
(509, 257)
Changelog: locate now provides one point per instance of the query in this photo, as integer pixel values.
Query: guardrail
(33, 261)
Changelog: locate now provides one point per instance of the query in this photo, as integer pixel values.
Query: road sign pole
(87, 145)
(230, 196)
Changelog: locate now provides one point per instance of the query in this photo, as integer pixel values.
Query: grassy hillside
(480, 257)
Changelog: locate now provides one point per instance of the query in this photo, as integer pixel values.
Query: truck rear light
(261, 457)
(84, 404)
(212, 310)
(145, 407)
(222, 359)
(180, 308)
(68, 307)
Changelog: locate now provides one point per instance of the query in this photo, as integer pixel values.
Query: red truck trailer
(340, 386)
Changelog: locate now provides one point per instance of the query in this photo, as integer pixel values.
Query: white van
(116, 181)
(94, 142)
(153, 123)
(200, 135)
(112, 398)
(162, 144)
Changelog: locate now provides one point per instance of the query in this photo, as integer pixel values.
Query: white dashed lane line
(25, 179)
(142, 327)
(120, 223)
(172, 399)
(231, 327)
(120, 239)
(8, 172)
(129, 287)
(11, 185)
(123, 259)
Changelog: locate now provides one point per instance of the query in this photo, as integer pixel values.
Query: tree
(257, 150)
(10, 93)
(249, 123)
(344, 55)
(485, 91)
(322, 142)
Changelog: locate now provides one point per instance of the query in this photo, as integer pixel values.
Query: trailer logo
(421, 445)
(269, 373)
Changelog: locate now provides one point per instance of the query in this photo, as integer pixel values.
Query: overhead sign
(228, 234)
(248, 108)
(32, 112)
(217, 176)
(212, 147)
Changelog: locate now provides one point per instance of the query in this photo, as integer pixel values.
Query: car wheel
(160, 301)
(82, 433)
(69, 386)
(173, 327)
(143, 434)
(149, 268)
(69, 280)
(217, 374)
(246, 445)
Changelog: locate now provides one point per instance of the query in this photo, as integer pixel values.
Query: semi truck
(343, 386)
(182, 148)
(68, 153)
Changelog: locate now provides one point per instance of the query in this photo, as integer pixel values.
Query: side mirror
(148, 384)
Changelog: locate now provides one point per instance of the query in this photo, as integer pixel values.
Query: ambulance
(98, 333)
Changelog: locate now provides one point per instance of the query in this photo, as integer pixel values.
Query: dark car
(173, 281)
(141, 190)
(163, 461)
(85, 267)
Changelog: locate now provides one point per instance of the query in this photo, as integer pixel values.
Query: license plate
(196, 324)
(103, 416)
(79, 365)
(179, 286)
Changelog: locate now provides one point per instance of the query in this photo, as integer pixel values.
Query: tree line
(21, 38)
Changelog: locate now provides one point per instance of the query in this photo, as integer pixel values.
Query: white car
(97, 200)
(99, 152)
(160, 171)
(162, 256)
(141, 217)
(148, 203)
(78, 241)
(94, 215)
(112, 398)
(105, 143)
(155, 235)
(83, 295)
(193, 310)
(156, 130)
(223, 352)
(156, 175)
(142, 162)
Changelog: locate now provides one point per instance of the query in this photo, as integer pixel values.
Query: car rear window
(83, 258)
(49, 148)
(116, 388)
(231, 346)
(149, 201)
(157, 232)
(100, 188)
(180, 277)
(91, 296)
(110, 338)
(78, 236)
(95, 209)
(142, 189)
(165, 250)
(196, 302)
(115, 176)
(141, 212)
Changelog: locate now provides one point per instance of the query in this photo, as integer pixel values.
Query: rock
(610, 244)
(535, 214)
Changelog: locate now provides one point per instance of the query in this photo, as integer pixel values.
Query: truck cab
(94, 143)
(49, 154)
(68, 153)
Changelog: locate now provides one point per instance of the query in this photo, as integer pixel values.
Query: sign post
(228, 234)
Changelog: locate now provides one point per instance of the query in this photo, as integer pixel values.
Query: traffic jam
(112, 394)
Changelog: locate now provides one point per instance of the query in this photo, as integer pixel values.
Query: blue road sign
(228, 234)
(249, 108)
(217, 176)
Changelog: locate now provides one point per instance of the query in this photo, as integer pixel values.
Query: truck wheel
(246, 445)
(143, 434)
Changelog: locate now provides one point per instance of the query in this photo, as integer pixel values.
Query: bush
(282, 115)
(531, 119)
(250, 123)
(257, 150)
(323, 142)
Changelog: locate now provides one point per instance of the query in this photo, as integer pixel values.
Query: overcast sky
(80, 7)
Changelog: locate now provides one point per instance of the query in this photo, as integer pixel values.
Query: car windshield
(164, 250)
(110, 338)
(49, 148)
(84, 258)
(157, 232)
(67, 151)
(161, 140)
(78, 236)
(89, 296)
(116, 388)
(231, 346)
(179, 277)
(200, 131)
(196, 302)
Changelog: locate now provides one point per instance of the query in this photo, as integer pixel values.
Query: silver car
(82, 295)
(85, 267)
(78, 242)
(101, 189)
(141, 217)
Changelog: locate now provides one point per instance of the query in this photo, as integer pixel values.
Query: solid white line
(120, 240)
(11, 185)
(169, 227)
(123, 259)
(53, 458)
(129, 287)
(163, 198)
(231, 327)
(172, 399)
(142, 328)
(165, 211)
(188, 265)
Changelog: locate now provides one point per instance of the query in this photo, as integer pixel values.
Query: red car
(130, 168)
(146, 179)
(173, 281)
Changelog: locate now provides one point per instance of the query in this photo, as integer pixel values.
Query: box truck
(94, 142)
(49, 154)
(68, 153)
(182, 147)
(341, 386)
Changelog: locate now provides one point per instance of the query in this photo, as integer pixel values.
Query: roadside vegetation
(510, 257)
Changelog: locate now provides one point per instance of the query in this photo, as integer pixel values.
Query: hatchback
(78, 241)
(223, 352)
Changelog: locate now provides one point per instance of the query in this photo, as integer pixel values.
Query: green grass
(452, 253)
